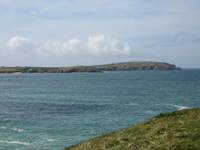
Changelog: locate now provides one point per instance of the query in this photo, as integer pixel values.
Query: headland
(122, 66)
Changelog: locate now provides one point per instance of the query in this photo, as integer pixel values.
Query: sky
(54, 33)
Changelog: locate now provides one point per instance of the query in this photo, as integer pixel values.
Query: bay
(52, 111)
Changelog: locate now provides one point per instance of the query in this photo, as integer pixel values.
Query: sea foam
(15, 142)
(19, 130)
(2, 127)
(180, 107)
(15, 129)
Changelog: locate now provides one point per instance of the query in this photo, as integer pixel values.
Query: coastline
(173, 130)
(122, 66)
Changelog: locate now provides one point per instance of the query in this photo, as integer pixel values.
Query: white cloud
(50, 48)
(106, 46)
(72, 48)
(95, 46)
(22, 45)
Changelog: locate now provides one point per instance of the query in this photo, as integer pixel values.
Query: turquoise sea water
(52, 111)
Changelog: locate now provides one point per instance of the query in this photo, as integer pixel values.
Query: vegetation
(97, 68)
(138, 66)
(178, 130)
(79, 69)
(28, 69)
(48, 69)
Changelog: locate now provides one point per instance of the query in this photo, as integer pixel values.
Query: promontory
(121, 66)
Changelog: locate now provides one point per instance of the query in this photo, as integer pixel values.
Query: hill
(97, 68)
(177, 130)
(145, 65)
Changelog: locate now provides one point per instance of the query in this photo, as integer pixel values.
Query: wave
(15, 129)
(2, 127)
(19, 130)
(133, 104)
(180, 107)
(48, 139)
(15, 142)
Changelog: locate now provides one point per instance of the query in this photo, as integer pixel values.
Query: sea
(51, 111)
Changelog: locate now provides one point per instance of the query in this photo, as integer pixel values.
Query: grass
(144, 65)
(47, 69)
(177, 130)
(27, 69)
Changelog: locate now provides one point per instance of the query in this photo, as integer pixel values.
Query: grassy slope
(139, 64)
(178, 130)
(161, 65)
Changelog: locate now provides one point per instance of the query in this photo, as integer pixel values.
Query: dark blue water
(52, 111)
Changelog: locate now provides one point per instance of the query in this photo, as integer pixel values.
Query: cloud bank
(95, 46)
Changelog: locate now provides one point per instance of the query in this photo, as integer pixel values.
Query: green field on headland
(177, 130)
(97, 68)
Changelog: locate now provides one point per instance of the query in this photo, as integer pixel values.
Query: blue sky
(87, 32)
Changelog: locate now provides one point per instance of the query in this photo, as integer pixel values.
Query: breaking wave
(2, 127)
(15, 142)
(181, 107)
(15, 129)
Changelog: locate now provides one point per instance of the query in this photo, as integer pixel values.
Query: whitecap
(15, 142)
(50, 140)
(180, 107)
(2, 127)
(19, 130)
